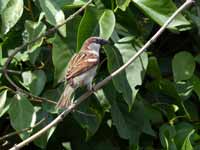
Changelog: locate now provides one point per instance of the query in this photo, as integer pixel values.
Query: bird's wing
(80, 63)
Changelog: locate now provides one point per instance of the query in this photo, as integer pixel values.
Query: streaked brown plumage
(81, 69)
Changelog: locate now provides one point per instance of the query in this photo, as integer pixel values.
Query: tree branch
(24, 45)
(102, 83)
(23, 130)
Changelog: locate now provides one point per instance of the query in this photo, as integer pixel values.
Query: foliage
(152, 105)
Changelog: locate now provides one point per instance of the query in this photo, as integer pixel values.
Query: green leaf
(197, 57)
(61, 54)
(167, 134)
(33, 31)
(3, 97)
(187, 144)
(52, 94)
(11, 14)
(67, 145)
(22, 114)
(183, 66)
(89, 115)
(196, 85)
(148, 129)
(105, 144)
(3, 4)
(138, 68)
(129, 124)
(182, 139)
(160, 11)
(120, 81)
(192, 109)
(95, 23)
(54, 14)
(124, 82)
(139, 25)
(1, 59)
(70, 4)
(153, 69)
(164, 86)
(109, 92)
(184, 89)
(122, 4)
(106, 24)
(153, 114)
(102, 99)
(34, 81)
(64, 49)
(43, 139)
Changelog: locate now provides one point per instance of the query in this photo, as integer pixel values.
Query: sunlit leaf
(126, 83)
(70, 4)
(11, 14)
(160, 11)
(184, 89)
(34, 81)
(34, 30)
(3, 4)
(54, 14)
(3, 97)
(95, 23)
(106, 24)
(122, 4)
(187, 144)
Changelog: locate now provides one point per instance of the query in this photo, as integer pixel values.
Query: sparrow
(81, 69)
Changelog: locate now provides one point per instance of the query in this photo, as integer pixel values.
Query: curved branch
(24, 45)
(102, 83)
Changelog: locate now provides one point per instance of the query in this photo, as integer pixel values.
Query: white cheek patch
(94, 46)
(91, 60)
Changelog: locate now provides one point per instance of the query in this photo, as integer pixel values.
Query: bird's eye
(97, 41)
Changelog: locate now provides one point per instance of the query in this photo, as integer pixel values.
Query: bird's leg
(90, 87)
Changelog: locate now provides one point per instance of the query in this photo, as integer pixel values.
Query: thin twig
(84, 113)
(59, 118)
(12, 71)
(24, 45)
(23, 130)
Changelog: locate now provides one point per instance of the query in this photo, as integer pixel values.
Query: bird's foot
(91, 88)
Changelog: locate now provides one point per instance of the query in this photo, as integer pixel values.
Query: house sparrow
(81, 69)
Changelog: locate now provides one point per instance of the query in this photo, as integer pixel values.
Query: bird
(81, 69)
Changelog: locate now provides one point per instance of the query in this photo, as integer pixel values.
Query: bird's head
(94, 43)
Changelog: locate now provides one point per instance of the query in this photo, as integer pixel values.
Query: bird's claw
(92, 88)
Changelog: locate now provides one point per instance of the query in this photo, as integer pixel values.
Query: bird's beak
(103, 41)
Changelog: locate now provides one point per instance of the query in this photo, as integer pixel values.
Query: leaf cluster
(152, 105)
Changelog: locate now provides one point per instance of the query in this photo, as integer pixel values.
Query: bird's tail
(65, 98)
